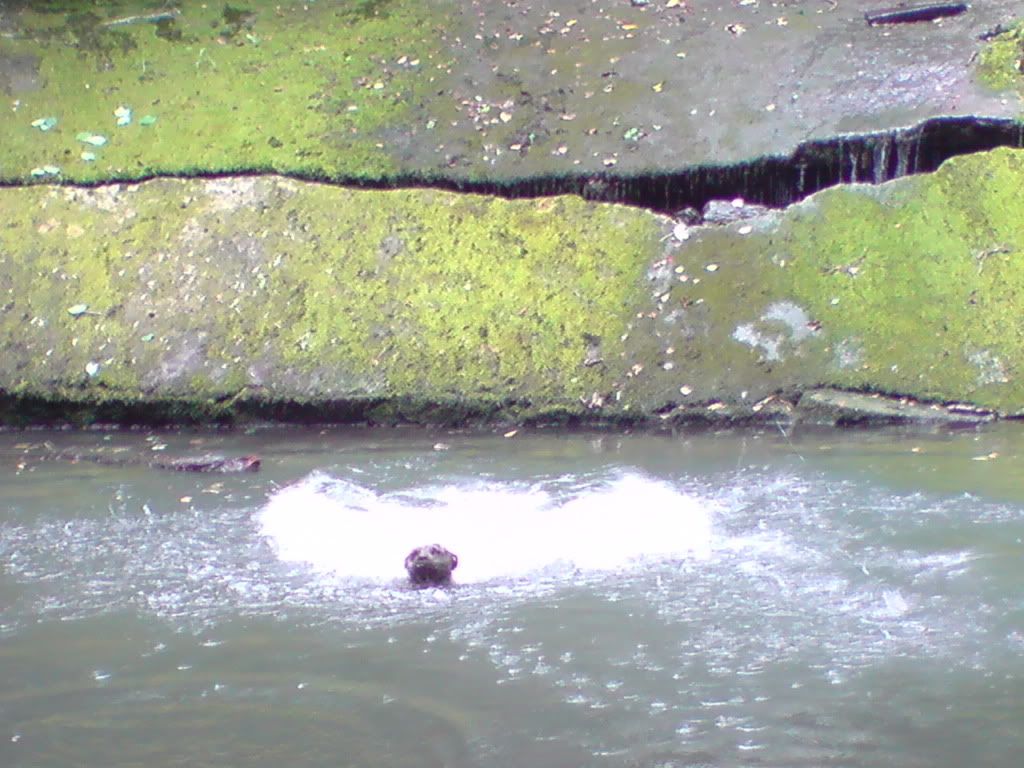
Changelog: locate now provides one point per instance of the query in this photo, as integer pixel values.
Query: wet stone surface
(559, 86)
(444, 301)
(498, 92)
(19, 73)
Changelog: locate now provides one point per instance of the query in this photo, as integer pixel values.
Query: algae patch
(1001, 62)
(202, 290)
(307, 90)
(916, 283)
(268, 295)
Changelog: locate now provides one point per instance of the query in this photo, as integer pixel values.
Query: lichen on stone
(1001, 61)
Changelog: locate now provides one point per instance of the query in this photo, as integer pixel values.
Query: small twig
(910, 14)
(790, 442)
(144, 18)
(850, 269)
(980, 256)
(203, 57)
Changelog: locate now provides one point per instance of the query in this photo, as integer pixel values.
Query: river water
(825, 599)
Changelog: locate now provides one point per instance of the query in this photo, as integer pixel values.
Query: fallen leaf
(93, 139)
(44, 123)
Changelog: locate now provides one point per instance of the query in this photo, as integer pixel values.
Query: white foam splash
(497, 530)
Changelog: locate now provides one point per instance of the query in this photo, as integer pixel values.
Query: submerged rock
(125, 458)
(210, 464)
(728, 211)
(838, 408)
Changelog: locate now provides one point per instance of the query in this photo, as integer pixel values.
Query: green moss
(205, 290)
(923, 277)
(451, 296)
(910, 288)
(266, 295)
(1001, 60)
(280, 90)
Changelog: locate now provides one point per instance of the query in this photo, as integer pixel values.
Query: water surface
(840, 599)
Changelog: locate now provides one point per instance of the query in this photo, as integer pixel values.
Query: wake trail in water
(498, 530)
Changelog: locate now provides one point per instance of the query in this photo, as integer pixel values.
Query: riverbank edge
(814, 408)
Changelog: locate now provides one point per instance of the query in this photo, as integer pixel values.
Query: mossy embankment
(267, 296)
(453, 91)
(912, 287)
(225, 293)
(308, 90)
(223, 297)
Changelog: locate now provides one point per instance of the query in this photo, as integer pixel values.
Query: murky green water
(833, 599)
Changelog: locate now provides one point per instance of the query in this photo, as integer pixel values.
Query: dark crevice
(774, 181)
(23, 411)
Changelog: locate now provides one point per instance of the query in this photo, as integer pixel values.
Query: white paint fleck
(991, 369)
(791, 315)
(765, 334)
(769, 345)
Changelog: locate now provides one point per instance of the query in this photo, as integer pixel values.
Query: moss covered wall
(910, 288)
(308, 90)
(218, 294)
(222, 292)
(204, 290)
